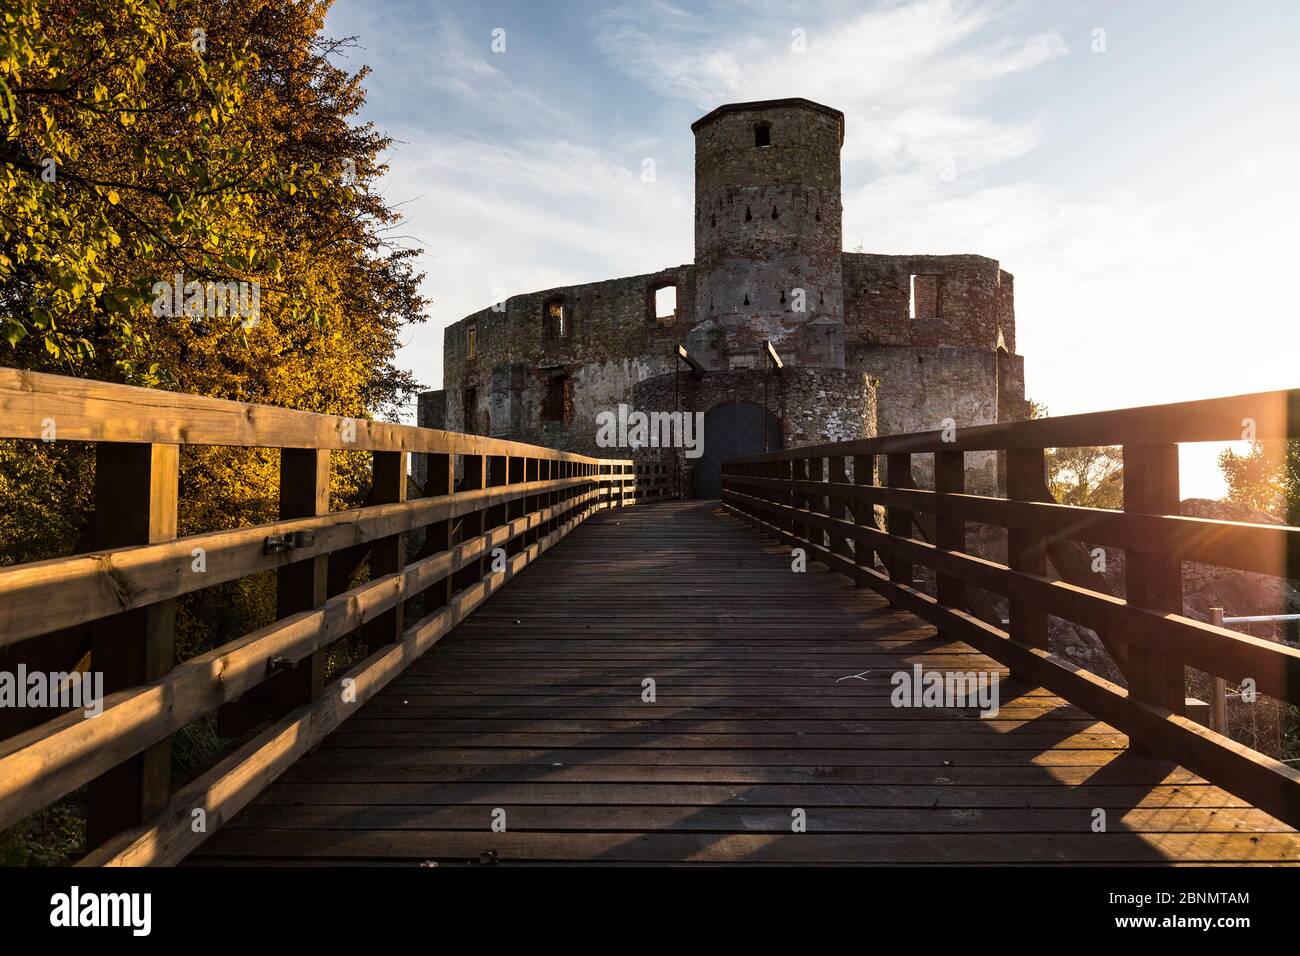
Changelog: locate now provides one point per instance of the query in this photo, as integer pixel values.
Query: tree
(146, 139)
(1085, 477)
(1266, 478)
(217, 141)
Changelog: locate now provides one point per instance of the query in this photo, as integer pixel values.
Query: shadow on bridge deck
(771, 696)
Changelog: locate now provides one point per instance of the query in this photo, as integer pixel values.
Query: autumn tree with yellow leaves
(153, 145)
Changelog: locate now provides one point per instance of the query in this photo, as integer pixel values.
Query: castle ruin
(869, 344)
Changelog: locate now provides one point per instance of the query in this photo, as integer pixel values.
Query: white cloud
(525, 216)
(1118, 291)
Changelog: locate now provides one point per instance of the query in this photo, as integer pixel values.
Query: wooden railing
(518, 498)
(823, 499)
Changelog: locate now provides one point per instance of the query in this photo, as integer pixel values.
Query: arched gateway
(731, 429)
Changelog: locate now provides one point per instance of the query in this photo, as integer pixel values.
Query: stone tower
(768, 234)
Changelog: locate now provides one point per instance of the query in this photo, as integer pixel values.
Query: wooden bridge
(654, 683)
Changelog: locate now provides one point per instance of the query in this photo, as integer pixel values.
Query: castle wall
(936, 332)
(608, 341)
(969, 305)
(920, 387)
(813, 405)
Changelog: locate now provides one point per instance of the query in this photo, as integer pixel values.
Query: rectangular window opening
(666, 302)
(557, 404)
(923, 297)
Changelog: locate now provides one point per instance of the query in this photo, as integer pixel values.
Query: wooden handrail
(1261, 548)
(42, 596)
(1269, 415)
(516, 497)
(793, 496)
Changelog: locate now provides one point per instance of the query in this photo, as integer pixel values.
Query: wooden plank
(136, 489)
(746, 819)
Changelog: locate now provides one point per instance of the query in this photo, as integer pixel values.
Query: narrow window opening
(773, 212)
(555, 319)
(748, 215)
(763, 135)
(469, 411)
(471, 341)
(557, 406)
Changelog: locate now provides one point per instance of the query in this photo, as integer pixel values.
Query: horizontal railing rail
(512, 502)
(824, 498)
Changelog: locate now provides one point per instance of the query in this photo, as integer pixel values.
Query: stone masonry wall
(768, 235)
(812, 405)
(975, 302)
(920, 387)
(610, 340)
(767, 223)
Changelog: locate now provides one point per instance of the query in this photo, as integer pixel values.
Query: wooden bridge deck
(534, 707)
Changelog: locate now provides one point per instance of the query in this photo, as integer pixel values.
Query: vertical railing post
(546, 470)
(838, 507)
(535, 469)
(798, 500)
(864, 512)
(950, 532)
(498, 476)
(785, 471)
(437, 536)
(817, 503)
(1219, 702)
(516, 469)
(471, 525)
(1154, 581)
(387, 555)
(1026, 550)
(898, 521)
(136, 491)
(301, 586)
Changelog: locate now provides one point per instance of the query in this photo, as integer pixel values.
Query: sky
(1135, 166)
